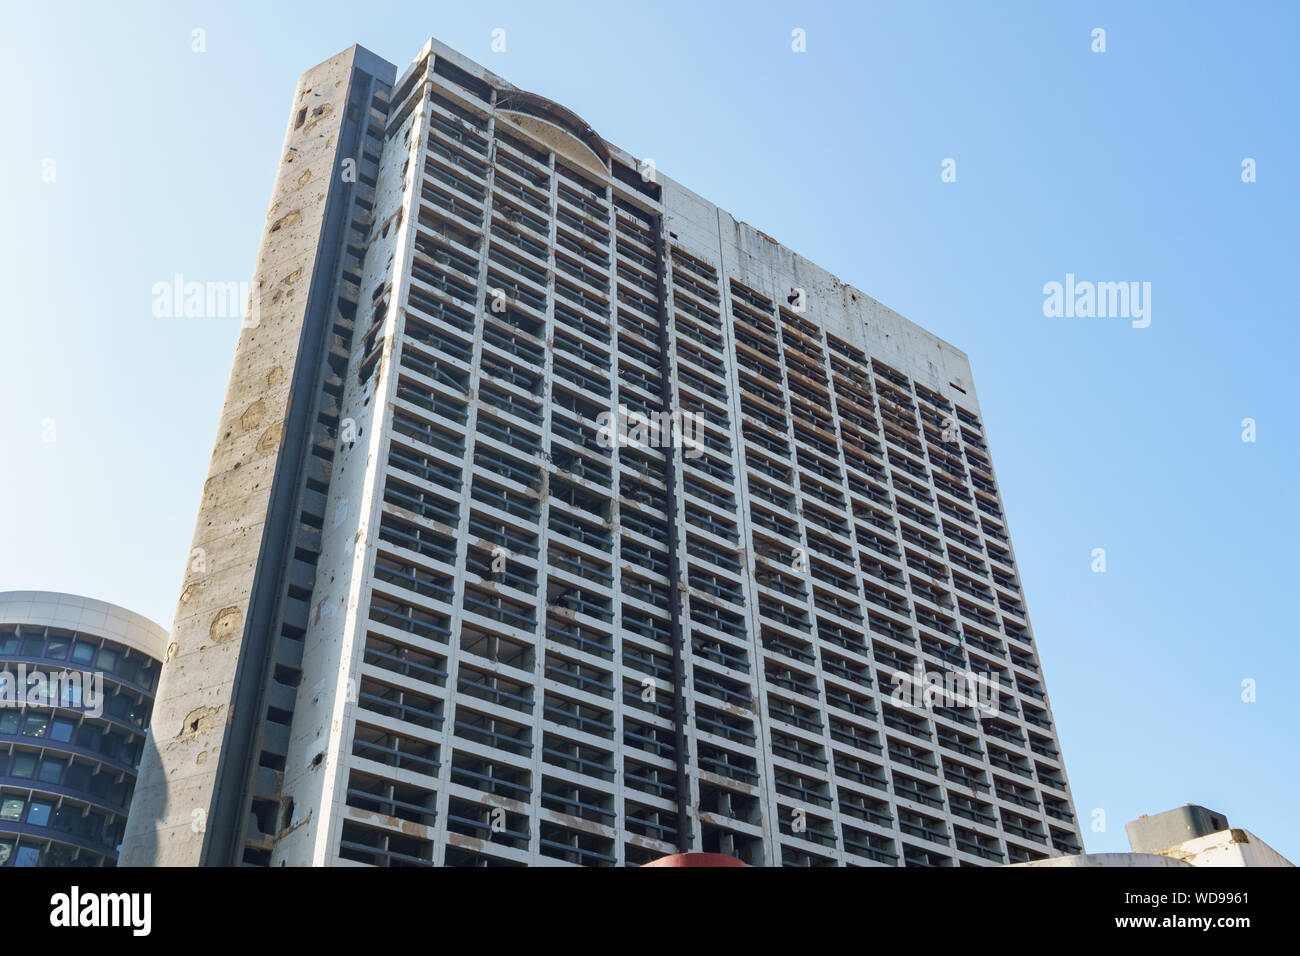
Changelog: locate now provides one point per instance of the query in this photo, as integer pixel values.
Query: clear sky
(1124, 165)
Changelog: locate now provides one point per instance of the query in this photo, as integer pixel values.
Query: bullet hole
(198, 721)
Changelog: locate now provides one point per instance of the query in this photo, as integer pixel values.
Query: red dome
(696, 859)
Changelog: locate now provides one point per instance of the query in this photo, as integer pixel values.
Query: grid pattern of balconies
(877, 540)
(519, 688)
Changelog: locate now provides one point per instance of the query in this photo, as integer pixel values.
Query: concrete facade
(1232, 847)
(528, 645)
(1226, 848)
(219, 641)
(1189, 835)
(1091, 861)
(1153, 833)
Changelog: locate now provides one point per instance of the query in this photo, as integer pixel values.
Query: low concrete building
(1190, 835)
(1232, 847)
(1092, 860)
(1154, 833)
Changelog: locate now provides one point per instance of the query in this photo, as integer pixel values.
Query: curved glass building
(77, 681)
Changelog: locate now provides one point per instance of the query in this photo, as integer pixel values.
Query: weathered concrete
(168, 818)
(1107, 860)
(681, 227)
(76, 613)
(1151, 834)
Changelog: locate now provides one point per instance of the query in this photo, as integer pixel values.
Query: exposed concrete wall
(756, 259)
(1093, 860)
(316, 766)
(1227, 848)
(1151, 834)
(1234, 847)
(178, 773)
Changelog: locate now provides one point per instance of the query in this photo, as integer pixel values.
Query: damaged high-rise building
(451, 601)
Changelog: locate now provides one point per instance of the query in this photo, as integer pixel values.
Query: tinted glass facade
(67, 767)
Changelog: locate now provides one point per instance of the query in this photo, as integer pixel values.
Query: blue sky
(1123, 165)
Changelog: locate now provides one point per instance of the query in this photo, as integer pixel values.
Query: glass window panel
(24, 766)
(107, 659)
(36, 724)
(129, 669)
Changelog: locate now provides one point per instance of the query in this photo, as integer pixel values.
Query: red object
(696, 859)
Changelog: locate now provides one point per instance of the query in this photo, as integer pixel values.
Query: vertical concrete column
(209, 653)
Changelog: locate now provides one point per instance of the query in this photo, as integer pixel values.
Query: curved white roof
(87, 615)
